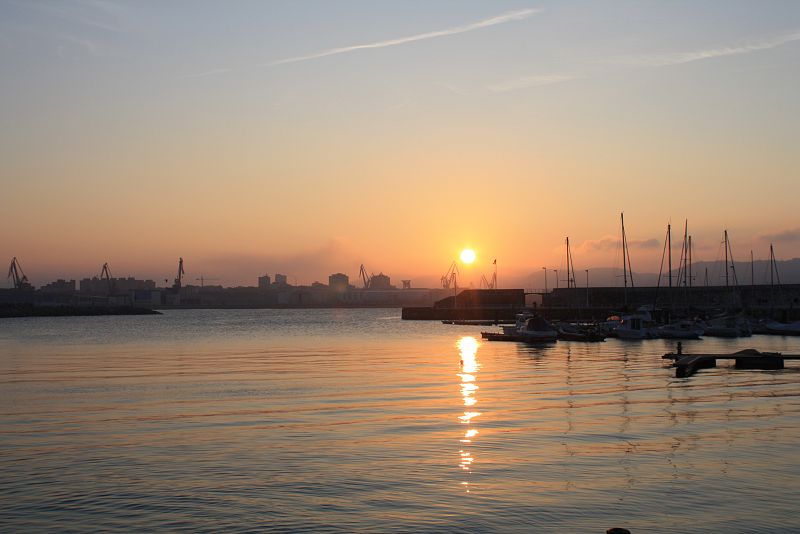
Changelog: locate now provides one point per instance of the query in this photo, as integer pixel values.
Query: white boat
(537, 329)
(680, 330)
(635, 326)
(520, 322)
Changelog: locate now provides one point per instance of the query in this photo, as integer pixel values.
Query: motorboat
(783, 329)
(521, 318)
(728, 326)
(529, 328)
(537, 329)
(680, 330)
(578, 332)
(635, 326)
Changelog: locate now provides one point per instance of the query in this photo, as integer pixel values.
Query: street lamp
(556, 271)
(545, 278)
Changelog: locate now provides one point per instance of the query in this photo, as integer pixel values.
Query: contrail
(648, 60)
(662, 60)
(492, 21)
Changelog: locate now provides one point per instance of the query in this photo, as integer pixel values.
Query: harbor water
(357, 421)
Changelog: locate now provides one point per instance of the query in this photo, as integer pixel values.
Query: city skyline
(311, 137)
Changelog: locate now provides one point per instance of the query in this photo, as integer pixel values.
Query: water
(353, 420)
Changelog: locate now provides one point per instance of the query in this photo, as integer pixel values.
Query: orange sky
(506, 129)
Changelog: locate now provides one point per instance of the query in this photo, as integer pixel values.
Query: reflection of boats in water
(528, 327)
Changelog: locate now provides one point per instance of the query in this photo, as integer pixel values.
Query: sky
(309, 137)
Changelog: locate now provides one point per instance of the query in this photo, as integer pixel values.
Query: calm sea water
(355, 421)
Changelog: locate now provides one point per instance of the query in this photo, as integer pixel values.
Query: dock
(688, 364)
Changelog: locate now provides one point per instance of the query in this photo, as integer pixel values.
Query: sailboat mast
(572, 266)
(726, 258)
(771, 279)
(669, 254)
(685, 250)
(771, 265)
(624, 263)
(569, 278)
(690, 261)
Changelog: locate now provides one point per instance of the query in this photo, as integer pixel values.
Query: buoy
(618, 530)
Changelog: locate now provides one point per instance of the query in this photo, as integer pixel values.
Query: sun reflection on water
(468, 350)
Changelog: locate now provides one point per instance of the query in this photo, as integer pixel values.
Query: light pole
(545, 278)
(556, 271)
(587, 287)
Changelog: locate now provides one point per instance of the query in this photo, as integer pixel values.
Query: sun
(468, 255)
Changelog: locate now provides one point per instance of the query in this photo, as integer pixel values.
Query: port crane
(18, 278)
(365, 278)
(105, 274)
(181, 272)
(450, 278)
(203, 279)
(487, 283)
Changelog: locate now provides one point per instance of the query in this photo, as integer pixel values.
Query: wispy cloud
(679, 58)
(647, 60)
(94, 14)
(531, 81)
(485, 23)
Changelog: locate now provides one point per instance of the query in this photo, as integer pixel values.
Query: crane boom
(365, 278)
(105, 273)
(450, 278)
(181, 272)
(17, 275)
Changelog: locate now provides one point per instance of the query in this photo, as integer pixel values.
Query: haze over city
(311, 137)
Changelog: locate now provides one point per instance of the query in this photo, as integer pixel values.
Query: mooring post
(680, 348)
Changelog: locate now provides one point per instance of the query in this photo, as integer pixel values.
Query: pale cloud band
(651, 60)
(662, 60)
(492, 21)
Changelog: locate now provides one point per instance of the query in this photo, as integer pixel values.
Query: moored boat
(528, 328)
(635, 326)
(680, 330)
(728, 326)
(783, 329)
(578, 332)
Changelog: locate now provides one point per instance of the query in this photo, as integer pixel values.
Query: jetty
(688, 364)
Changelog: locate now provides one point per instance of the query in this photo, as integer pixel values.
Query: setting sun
(468, 255)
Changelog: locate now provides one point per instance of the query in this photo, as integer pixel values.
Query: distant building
(380, 281)
(281, 280)
(59, 286)
(100, 286)
(264, 281)
(339, 282)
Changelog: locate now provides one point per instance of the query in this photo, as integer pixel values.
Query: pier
(688, 364)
